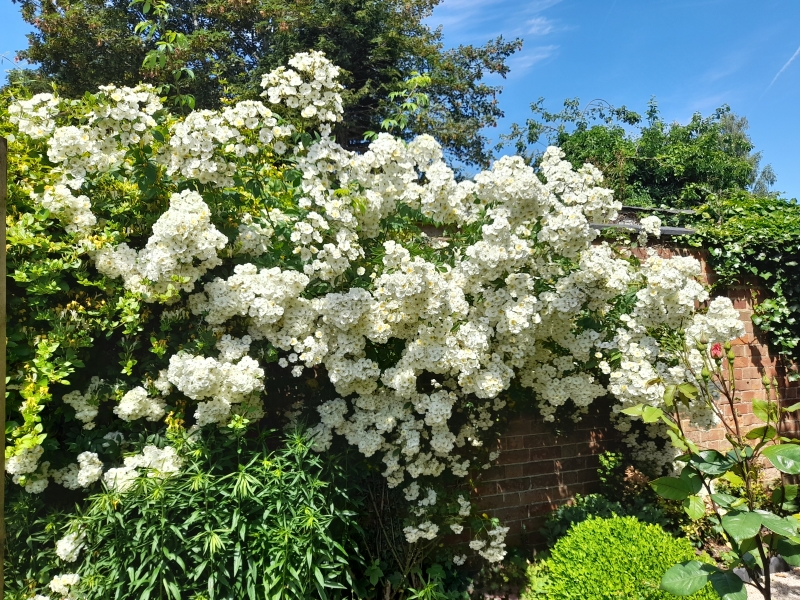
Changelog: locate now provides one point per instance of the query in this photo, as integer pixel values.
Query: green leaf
(783, 494)
(676, 441)
(728, 585)
(741, 525)
(761, 410)
(782, 526)
(792, 408)
(650, 414)
(784, 457)
(669, 394)
(692, 479)
(711, 462)
(685, 578)
(671, 488)
(766, 432)
(790, 551)
(688, 390)
(633, 411)
(723, 500)
(694, 507)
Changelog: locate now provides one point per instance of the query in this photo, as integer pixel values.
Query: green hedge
(617, 558)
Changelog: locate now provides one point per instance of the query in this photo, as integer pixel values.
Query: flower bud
(716, 351)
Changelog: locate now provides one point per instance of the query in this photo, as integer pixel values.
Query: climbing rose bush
(247, 248)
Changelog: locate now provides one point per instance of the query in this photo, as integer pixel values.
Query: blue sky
(692, 55)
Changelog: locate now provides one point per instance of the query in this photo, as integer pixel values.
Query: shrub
(620, 557)
(271, 524)
(597, 505)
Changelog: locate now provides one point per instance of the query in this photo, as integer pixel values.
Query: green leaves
(686, 578)
(677, 488)
(741, 525)
(672, 488)
(694, 507)
(765, 432)
(711, 462)
(766, 411)
(784, 457)
(785, 526)
(728, 585)
(784, 495)
(241, 533)
(790, 551)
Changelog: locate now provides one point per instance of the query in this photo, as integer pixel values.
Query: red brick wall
(537, 470)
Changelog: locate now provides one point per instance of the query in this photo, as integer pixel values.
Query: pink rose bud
(716, 351)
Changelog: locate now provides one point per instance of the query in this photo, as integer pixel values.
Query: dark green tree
(218, 50)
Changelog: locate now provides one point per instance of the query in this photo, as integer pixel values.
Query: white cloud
(529, 57)
(539, 26)
(469, 19)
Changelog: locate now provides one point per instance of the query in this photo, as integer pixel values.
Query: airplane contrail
(783, 68)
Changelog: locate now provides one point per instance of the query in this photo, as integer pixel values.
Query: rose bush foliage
(183, 272)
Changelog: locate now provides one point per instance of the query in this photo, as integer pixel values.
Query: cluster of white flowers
(205, 144)
(651, 226)
(721, 323)
(425, 530)
(25, 461)
(69, 547)
(75, 212)
(182, 247)
(120, 118)
(158, 462)
(137, 404)
(311, 87)
(669, 293)
(63, 584)
(224, 386)
(82, 474)
(87, 405)
(35, 117)
(492, 548)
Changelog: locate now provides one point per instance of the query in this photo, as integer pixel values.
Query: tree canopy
(647, 161)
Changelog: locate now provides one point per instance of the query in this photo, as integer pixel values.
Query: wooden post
(3, 196)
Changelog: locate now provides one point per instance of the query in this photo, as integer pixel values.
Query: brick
(545, 453)
(571, 464)
(512, 471)
(520, 484)
(485, 489)
(518, 427)
(513, 442)
(537, 440)
(510, 457)
(535, 496)
(538, 467)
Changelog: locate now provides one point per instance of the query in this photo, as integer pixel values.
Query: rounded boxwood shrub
(614, 558)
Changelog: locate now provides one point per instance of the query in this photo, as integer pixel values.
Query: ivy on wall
(756, 240)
